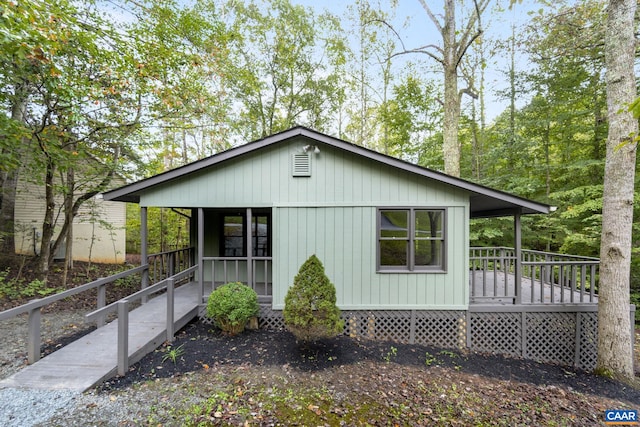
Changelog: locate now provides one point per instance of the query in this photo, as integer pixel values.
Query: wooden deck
(489, 287)
(93, 358)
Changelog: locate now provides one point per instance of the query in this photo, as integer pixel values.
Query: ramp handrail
(34, 307)
(122, 308)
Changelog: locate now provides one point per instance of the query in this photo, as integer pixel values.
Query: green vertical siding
(263, 178)
(344, 239)
(332, 213)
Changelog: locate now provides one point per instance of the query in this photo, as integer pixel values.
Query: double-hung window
(411, 239)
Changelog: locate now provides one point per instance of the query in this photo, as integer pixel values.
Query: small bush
(231, 306)
(14, 288)
(310, 310)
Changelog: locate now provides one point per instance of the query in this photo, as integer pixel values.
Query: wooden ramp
(93, 358)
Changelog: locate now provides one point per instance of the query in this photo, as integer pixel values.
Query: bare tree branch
(467, 38)
(440, 60)
(432, 16)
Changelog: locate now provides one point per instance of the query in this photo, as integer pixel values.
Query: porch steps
(92, 359)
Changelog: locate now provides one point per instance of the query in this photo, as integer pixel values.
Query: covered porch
(228, 245)
(237, 247)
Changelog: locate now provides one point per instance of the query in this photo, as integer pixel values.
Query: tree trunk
(68, 218)
(450, 145)
(9, 182)
(454, 46)
(615, 352)
(47, 224)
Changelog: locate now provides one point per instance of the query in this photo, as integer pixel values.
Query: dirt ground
(22, 271)
(269, 375)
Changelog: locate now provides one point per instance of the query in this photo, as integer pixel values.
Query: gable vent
(301, 164)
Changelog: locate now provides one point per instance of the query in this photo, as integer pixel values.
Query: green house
(391, 235)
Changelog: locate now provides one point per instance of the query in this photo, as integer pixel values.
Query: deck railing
(549, 277)
(34, 307)
(221, 270)
(166, 264)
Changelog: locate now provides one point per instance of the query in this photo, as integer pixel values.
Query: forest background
(147, 86)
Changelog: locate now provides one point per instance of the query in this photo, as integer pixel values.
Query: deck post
(250, 249)
(123, 337)
(518, 252)
(170, 309)
(201, 255)
(144, 233)
(102, 301)
(33, 350)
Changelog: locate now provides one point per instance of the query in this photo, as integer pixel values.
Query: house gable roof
(484, 201)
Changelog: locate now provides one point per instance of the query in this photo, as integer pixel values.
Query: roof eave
(131, 192)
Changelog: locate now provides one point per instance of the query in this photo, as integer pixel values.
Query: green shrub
(310, 310)
(231, 306)
(15, 288)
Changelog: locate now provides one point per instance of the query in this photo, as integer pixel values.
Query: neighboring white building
(98, 229)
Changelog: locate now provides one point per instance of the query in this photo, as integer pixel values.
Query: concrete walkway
(92, 359)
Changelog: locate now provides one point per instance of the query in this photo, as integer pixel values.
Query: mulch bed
(201, 346)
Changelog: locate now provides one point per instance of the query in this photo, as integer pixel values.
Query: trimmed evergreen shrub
(231, 306)
(310, 310)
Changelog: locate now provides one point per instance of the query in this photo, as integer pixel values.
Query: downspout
(518, 253)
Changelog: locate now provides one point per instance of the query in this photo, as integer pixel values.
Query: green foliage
(310, 311)
(281, 67)
(167, 230)
(16, 288)
(391, 354)
(173, 353)
(232, 305)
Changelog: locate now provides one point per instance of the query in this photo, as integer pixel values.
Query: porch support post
(250, 248)
(144, 233)
(201, 255)
(518, 252)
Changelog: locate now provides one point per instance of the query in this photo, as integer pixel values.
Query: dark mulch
(203, 346)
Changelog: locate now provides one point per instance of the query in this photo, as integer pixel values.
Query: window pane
(233, 236)
(393, 252)
(428, 224)
(428, 252)
(260, 234)
(394, 223)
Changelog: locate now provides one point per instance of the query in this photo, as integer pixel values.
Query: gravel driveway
(22, 408)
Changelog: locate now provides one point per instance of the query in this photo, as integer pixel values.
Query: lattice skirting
(445, 329)
(566, 338)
